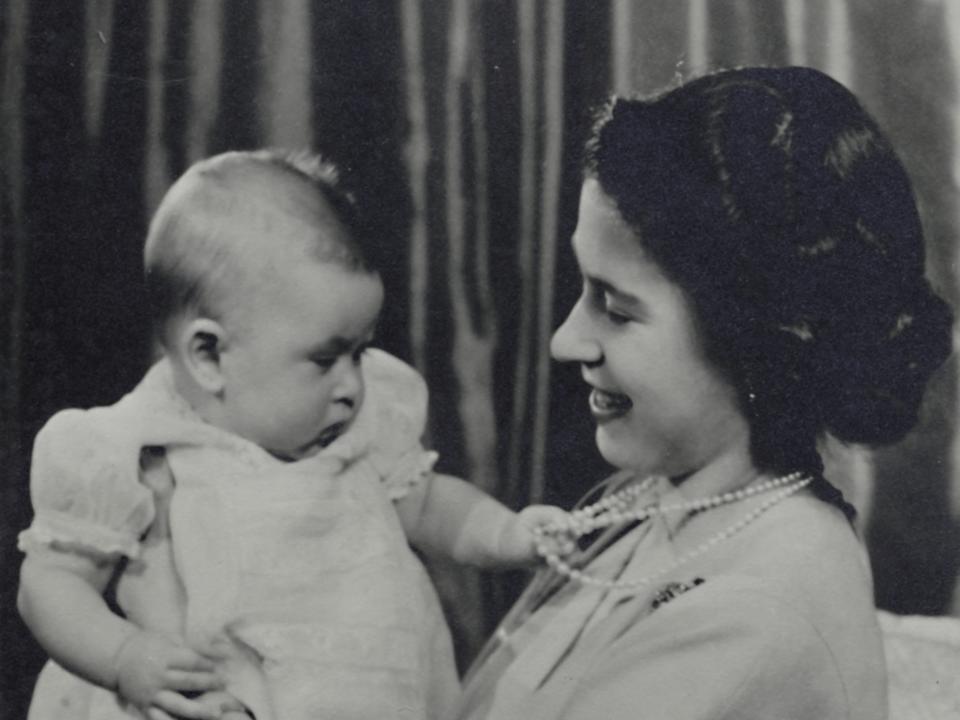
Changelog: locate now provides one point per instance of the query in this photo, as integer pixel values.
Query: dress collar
(170, 420)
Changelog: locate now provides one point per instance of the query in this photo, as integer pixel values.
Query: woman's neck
(727, 472)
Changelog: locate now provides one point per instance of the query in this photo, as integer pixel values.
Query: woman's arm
(60, 601)
(449, 516)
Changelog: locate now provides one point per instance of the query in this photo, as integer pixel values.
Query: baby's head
(264, 297)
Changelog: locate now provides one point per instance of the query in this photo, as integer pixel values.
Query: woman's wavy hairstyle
(773, 199)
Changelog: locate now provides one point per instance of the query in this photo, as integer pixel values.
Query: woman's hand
(154, 670)
(226, 704)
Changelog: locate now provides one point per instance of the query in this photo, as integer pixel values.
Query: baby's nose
(349, 383)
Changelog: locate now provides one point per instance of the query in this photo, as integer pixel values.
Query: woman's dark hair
(772, 198)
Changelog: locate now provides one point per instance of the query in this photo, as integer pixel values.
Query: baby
(251, 502)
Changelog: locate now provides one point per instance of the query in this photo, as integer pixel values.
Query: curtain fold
(205, 48)
(13, 248)
(416, 152)
(462, 123)
(97, 38)
(528, 70)
(157, 163)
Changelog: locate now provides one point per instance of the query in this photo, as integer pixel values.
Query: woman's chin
(620, 446)
(615, 450)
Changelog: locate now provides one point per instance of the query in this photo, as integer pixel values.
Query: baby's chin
(324, 440)
(296, 454)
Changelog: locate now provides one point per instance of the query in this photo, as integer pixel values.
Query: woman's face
(660, 406)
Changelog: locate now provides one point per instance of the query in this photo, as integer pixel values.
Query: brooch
(669, 591)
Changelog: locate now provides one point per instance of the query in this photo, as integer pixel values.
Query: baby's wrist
(483, 535)
(121, 662)
(516, 545)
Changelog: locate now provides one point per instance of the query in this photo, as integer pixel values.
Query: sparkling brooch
(669, 591)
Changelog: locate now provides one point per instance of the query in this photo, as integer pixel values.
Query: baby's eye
(324, 363)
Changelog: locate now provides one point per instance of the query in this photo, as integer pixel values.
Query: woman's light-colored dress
(776, 621)
(298, 571)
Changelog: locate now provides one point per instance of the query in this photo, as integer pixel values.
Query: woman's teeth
(606, 403)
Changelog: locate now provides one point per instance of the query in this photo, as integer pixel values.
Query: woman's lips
(607, 406)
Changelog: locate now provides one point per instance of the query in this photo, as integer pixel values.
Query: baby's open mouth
(605, 403)
(330, 434)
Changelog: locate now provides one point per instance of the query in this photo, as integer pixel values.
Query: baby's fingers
(540, 515)
(192, 681)
(179, 706)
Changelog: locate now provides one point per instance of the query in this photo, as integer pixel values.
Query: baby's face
(291, 361)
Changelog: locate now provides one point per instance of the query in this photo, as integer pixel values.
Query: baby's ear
(201, 342)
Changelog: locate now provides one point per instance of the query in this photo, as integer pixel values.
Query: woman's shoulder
(797, 590)
(805, 555)
(806, 545)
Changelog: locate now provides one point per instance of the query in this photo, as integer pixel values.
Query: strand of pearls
(612, 510)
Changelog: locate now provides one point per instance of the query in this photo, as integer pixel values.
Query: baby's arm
(60, 600)
(449, 516)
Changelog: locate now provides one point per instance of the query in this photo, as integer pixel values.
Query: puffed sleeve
(741, 655)
(85, 487)
(396, 401)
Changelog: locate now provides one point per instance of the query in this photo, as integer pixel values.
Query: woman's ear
(202, 341)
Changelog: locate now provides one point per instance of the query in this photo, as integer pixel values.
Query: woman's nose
(572, 342)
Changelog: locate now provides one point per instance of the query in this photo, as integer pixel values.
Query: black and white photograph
(480, 360)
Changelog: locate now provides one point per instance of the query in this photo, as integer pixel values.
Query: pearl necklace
(612, 510)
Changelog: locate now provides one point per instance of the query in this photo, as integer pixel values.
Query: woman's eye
(617, 318)
(601, 303)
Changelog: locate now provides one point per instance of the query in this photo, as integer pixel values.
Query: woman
(752, 266)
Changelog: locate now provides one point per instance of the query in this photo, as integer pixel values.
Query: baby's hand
(152, 672)
(518, 544)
